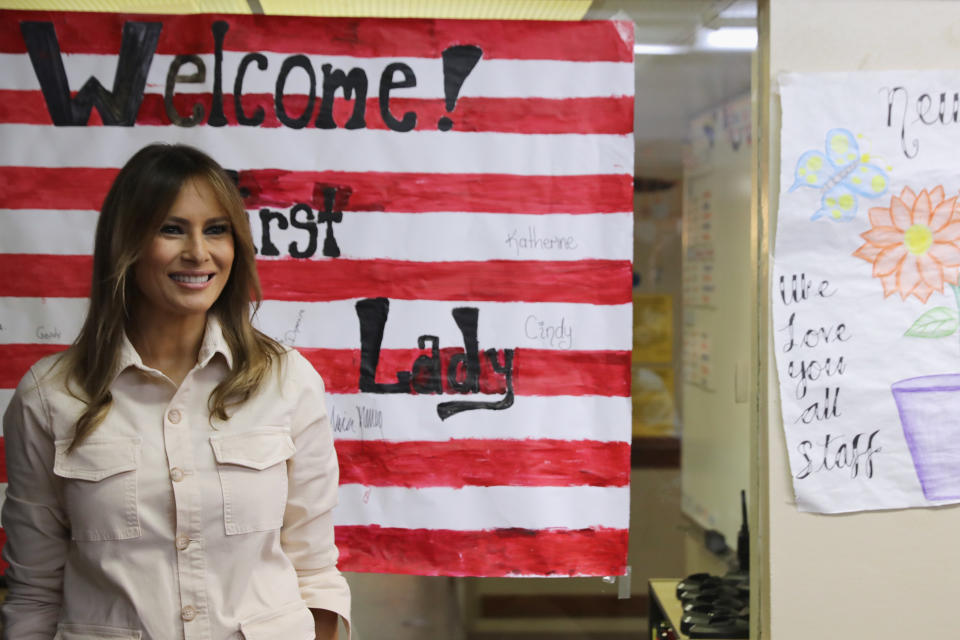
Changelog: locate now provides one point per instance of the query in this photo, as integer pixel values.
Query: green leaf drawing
(939, 322)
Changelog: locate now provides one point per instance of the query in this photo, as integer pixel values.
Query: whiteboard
(716, 317)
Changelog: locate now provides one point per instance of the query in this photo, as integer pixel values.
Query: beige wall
(878, 575)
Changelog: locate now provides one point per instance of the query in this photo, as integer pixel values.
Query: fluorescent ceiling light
(722, 39)
(659, 49)
(727, 39)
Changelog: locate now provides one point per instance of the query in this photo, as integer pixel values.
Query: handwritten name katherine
(531, 241)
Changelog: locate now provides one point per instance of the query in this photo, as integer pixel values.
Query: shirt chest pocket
(100, 488)
(253, 477)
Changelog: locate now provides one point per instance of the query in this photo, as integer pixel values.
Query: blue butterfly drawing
(841, 174)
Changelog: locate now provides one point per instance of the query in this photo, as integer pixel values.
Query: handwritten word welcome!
(120, 106)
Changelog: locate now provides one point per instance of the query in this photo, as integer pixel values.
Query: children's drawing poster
(443, 218)
(866, 289)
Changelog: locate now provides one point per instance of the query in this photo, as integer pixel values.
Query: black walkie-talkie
(743, 538)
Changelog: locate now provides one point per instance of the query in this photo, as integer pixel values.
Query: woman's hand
(326, 623)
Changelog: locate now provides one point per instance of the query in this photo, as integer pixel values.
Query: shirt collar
(212, 344)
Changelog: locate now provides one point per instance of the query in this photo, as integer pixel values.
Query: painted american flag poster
(443, 217)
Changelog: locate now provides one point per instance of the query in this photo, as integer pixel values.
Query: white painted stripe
(408, 418)
(369, 235)
(46, 231)
(490, 78)
(532, 417)
(334, 325)
(41, 320)
(473, 508)
(603, 419)
(510, 324)
(466, 236)
(328, 150)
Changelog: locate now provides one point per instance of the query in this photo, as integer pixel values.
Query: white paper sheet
(864, 288)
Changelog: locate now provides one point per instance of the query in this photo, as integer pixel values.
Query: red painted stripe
(499, 552)
(588, 281)
(17, 360)
(45, 276)
(100, 33)
(484, 463)
(54, 187)
(535, 371)
(85, 188)
(539, 372)
(501, 115)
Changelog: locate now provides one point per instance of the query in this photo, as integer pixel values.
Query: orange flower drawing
(914, 245)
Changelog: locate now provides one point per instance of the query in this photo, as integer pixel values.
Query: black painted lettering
(267, 248)
(354, 85)
(116, 108)
(387, 84)
(458, 62)
(303, 62)
(258, 115)
(427, 374)
(217, 119)
(334, 199)
(468, 362)
(308, 225)
(372, 313)
(447, 409)
(173, 77)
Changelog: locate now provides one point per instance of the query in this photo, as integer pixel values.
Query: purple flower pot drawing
(929, 408)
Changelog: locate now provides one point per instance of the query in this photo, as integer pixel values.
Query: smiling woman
(193, 249)
(190, 455)
(183, 270)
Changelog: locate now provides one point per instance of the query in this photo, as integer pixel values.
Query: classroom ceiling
(672, 89)
(675, 22)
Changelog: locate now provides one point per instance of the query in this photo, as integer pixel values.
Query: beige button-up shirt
(164, 524)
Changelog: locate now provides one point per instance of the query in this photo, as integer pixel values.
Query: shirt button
(173, 416)
(176, 474)
(183, 542)
(188, 613)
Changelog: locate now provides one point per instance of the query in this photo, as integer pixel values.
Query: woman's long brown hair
(137, 204)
